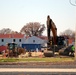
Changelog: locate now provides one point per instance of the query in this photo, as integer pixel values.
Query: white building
(28, 42)
(9, 38)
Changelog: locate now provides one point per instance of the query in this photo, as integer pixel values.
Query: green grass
(36, 59)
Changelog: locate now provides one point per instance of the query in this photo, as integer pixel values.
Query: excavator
(54, 42)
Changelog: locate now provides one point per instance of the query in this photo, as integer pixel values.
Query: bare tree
(69, 33)
(33, 28)
(7, 31)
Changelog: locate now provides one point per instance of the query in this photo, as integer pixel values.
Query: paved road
(36, 71)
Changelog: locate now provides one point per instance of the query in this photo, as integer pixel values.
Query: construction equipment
(14, 50)
(55, 41)
(67, 51)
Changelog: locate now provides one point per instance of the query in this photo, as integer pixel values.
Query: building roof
(11, 35)
(20, 36)
(41, 37)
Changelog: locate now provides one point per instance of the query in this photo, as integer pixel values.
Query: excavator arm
(51, 27)
(54, 32)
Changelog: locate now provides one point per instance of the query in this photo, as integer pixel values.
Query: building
(9, 38)
(33, 43)
(30, 43)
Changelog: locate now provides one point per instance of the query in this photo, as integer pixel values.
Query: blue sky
(14, 14)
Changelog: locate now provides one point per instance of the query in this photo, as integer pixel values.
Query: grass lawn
(33, 59)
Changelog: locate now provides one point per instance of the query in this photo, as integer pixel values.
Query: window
(33, 40)
(14, 40)
(2, 40)
(19, 40)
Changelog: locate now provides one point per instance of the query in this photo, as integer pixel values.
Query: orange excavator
(52, 40)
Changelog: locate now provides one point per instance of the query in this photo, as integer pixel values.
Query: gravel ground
(38, 65)
(35, 73)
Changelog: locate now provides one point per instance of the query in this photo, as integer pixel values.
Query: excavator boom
(51, 27)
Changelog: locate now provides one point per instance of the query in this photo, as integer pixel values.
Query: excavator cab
(12, 46)
(60, 40)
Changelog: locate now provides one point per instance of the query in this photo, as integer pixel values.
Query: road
(37, 71)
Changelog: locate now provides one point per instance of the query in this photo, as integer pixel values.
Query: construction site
(55, 46)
